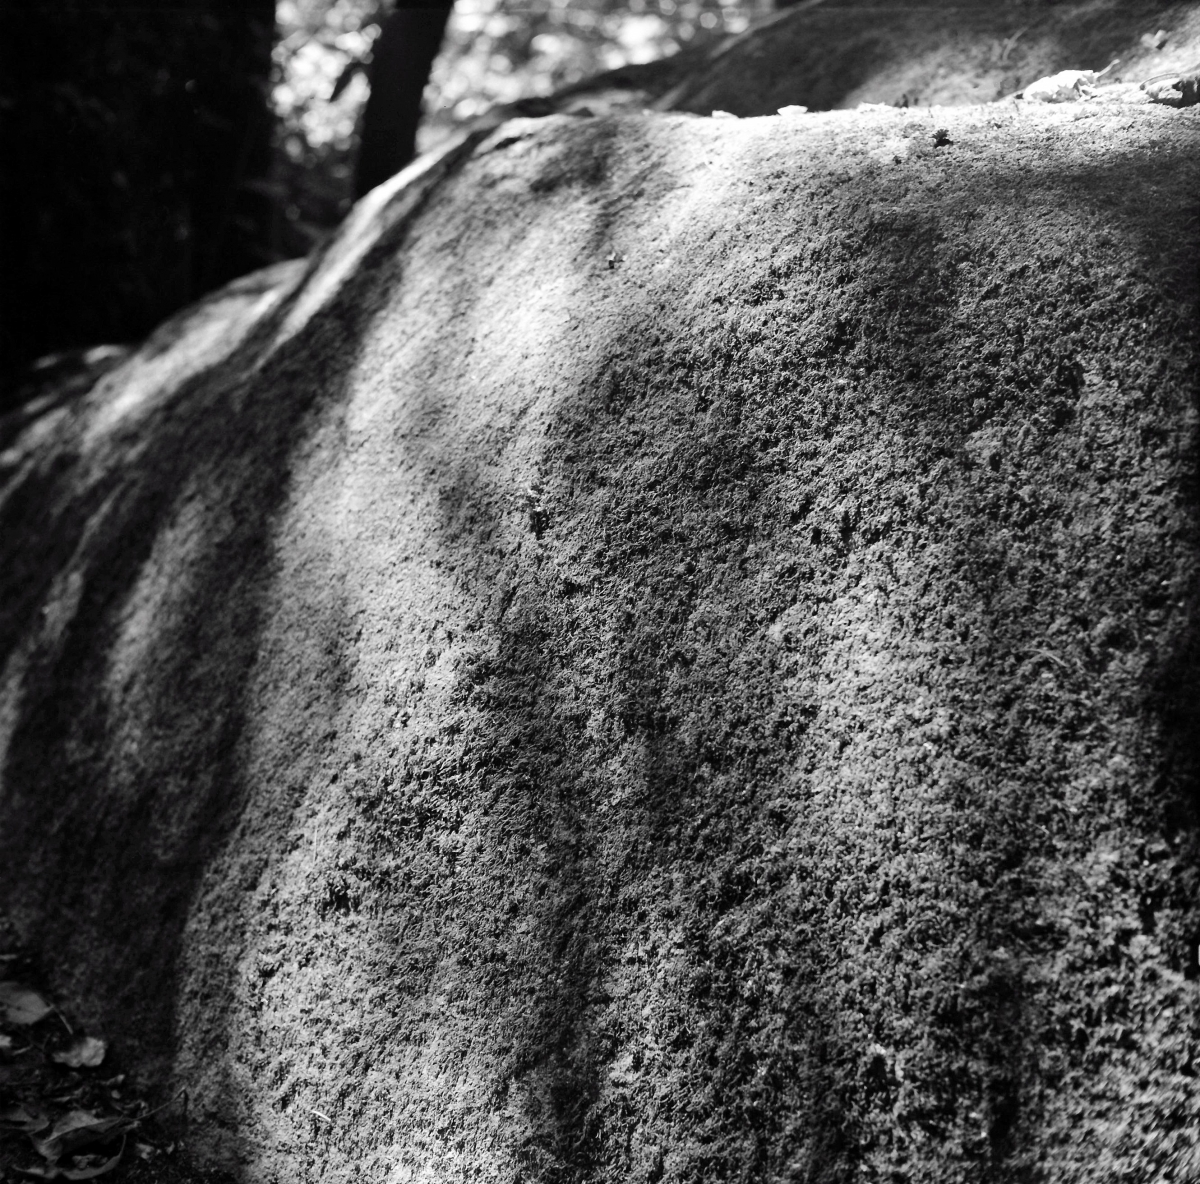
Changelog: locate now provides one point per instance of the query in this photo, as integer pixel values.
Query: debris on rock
(1174, 90)
(1067, 86)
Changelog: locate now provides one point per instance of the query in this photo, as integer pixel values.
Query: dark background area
(132, 136)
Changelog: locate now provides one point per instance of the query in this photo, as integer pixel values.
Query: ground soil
(667, 652)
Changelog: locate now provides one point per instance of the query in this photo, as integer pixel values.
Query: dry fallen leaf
(1067, 86)
(22, 1005)
(1064, 87)
(1174, 90)
(101, 1168)
(77, 1130)
(86, 1053)
(84, 1172)
(25, 1117)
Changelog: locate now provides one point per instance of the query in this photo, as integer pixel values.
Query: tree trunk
(400, 67)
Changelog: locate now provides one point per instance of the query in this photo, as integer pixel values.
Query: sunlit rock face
(666, 652)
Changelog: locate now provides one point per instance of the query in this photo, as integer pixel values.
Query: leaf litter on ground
(27, 1117)
(80, 1129)
(85, 1053)
(59, 1118)
(87, 1167)
(22, 1005)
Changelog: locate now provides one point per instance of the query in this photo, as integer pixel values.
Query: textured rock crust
(666, 653)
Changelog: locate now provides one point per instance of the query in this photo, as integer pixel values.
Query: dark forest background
(133, 135)
(151, 151)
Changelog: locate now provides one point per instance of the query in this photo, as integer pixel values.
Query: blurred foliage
(496, 51)
(322, 47)
(132, 136)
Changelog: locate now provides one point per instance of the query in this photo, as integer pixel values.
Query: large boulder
(666, 652)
